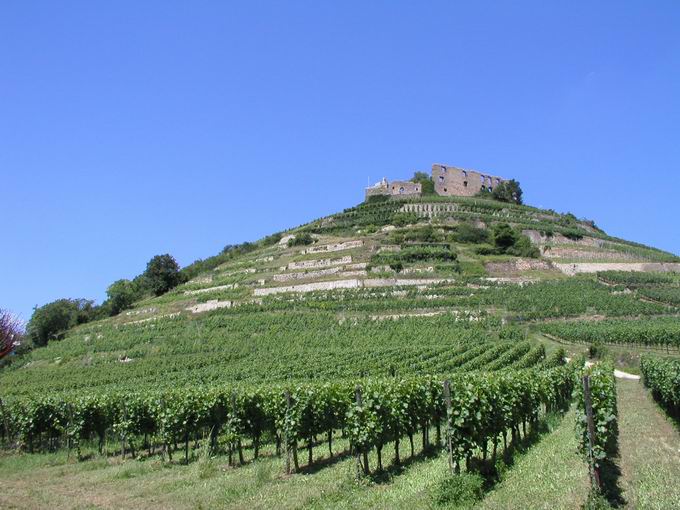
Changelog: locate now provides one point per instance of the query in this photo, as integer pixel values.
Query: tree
(162, 274)
(504, 236)
(508, 191)
(49, 322)
(122, 294)
(10, 332)
(425, 181)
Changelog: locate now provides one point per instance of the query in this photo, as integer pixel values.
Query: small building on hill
(448, 181)
(395, 188)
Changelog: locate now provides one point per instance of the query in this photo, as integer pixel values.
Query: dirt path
(619, 374)
(649, 451)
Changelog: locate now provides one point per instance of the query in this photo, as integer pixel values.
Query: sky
(130, 129)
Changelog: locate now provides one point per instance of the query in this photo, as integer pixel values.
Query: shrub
(504, 236)
(523, 248)
(302, 239)
(403, 219)
(458, 489)
(469, 234)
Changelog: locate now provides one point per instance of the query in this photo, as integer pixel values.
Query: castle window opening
(443, 169)
(441, 178)
(445, 190)
(465, 184)
(490, 189)
(464, 174)
(401, 190)
(481, 180)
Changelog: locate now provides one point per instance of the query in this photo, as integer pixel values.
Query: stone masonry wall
(453, 181)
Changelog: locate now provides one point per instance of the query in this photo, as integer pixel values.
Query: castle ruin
(448, 181)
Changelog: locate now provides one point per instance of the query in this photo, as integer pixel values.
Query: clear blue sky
(129, 129)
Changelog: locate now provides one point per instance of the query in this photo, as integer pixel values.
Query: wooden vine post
(449, 445)
(357, 452)
(592, 466)
(286, 445)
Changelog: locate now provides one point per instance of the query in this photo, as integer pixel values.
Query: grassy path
(649, 451)
(550, 475)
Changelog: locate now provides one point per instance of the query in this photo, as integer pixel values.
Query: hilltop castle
(448, 181)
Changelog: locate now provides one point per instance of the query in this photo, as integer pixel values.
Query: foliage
(504, 236)
(465, 488)
(122, 294)
(662, 377)
(302, 239)
(603, 397)
(51, 321)
(425, 180)
(467, 233)
(162, 274)
(648, 332)
(523, 247)
(10, 332)
(508, 191)
(484, 407)
(414, 253)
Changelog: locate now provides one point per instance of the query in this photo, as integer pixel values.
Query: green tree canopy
(50, 321)
(425, 181)
(508, 191)
(122, 294)
(162, 274)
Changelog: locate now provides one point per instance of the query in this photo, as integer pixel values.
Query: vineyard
(662, 377)
(393, 345)
(661, 332)
(477, 410)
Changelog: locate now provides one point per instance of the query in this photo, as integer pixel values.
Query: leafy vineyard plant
(603, 396)
(485, 409)
(662, 377)
(659, 332)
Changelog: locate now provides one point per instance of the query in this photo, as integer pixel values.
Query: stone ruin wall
(453, 181)
(448, 181)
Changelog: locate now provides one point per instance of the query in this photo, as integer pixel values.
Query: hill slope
(272, 350)
(318, 310)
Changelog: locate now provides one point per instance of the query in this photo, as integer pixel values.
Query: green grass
(551, 475)
(649, 451)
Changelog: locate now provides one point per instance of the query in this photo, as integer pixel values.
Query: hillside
(387, 290)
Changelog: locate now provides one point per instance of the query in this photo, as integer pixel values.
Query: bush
(49, 322)
(426, 234)
(504, 236)
(403, 219)
(523, 248)
(457, 489)
(597, 351)
(467, 233)
(162, 274)
(303, 239)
